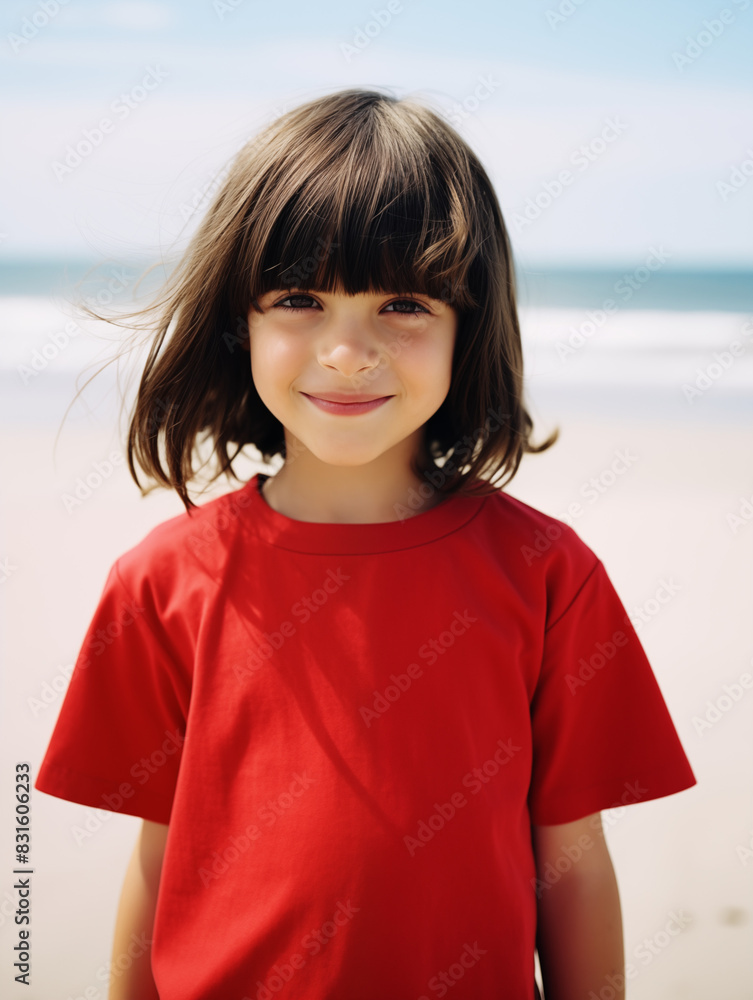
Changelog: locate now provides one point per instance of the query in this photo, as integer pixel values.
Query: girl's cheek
(410, 342)
(274, 348)
(431, 347)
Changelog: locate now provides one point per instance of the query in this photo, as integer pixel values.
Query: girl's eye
(290, 298)
(308, 299)
(408, 302)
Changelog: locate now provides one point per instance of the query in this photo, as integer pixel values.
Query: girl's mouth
(349, 409)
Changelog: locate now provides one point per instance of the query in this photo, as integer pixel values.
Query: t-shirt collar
(452, 513)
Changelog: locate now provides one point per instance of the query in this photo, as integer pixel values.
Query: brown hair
(356, 191)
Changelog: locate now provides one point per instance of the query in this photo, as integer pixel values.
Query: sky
(610, 130)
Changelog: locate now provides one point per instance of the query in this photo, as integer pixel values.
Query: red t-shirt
(350, 729)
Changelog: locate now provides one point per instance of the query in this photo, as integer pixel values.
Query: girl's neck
(343, 499)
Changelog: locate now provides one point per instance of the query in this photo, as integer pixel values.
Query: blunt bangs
(367, 250)
(379, 207)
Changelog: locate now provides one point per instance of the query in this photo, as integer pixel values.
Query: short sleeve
(602, 733)
(118, 738)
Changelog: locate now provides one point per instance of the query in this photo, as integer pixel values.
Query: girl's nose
(349, 347)
(351, 360)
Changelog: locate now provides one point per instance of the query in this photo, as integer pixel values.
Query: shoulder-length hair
(356, 191)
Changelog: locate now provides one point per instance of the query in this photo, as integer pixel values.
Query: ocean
(648, 341)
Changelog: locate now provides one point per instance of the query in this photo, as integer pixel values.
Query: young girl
(369, 708)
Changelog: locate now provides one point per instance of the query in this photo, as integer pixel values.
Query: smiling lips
(347, 403)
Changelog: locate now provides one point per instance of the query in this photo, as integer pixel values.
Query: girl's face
(306, 344)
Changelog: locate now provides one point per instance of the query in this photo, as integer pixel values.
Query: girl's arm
(579, 933)
(131, 977)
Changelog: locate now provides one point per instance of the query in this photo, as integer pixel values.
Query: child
(370, 707)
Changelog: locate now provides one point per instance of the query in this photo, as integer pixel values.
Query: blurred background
(619, 138)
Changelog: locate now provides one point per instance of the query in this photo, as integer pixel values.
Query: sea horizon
(651, 283)
(649, 343)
